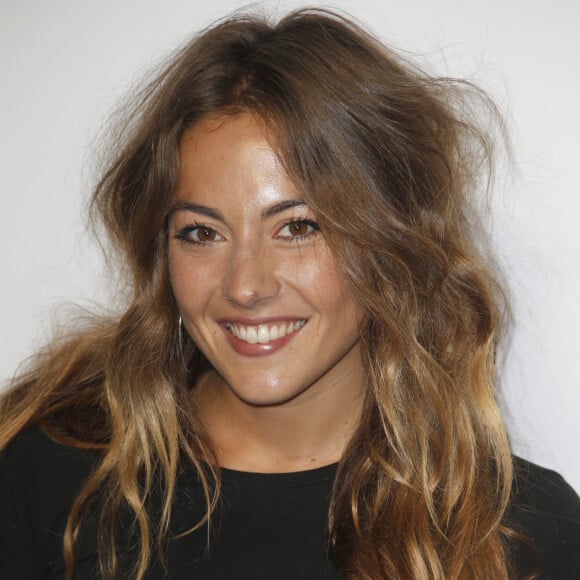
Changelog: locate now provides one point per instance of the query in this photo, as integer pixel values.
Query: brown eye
(198, 234)
(298, 229)
(205, 234)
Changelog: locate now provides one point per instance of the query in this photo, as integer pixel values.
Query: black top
(269, 525)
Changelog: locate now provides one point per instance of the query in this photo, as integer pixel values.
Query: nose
(250, 278)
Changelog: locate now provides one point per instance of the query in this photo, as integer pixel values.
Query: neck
(307, 432)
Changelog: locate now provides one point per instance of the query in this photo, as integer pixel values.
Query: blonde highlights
(390, 160)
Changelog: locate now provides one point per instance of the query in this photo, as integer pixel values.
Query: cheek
(322, 286)
(322, 281)
(177, 277)
(190, 282)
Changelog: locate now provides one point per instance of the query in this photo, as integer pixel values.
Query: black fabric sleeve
(39, 480)
(19, 554)
(546, 510)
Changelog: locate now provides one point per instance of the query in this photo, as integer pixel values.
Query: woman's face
(257, 286)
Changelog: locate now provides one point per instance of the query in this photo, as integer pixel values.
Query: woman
(302, 384)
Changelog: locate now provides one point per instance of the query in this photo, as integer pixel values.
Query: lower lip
(246, 349)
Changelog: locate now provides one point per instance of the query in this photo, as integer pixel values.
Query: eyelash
(293, 239)
(183, 234)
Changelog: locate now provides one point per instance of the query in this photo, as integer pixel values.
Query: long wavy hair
(391, 160)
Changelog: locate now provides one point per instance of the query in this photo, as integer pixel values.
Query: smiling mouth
(264, 333)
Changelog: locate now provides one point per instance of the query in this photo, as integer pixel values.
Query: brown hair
(389, 159)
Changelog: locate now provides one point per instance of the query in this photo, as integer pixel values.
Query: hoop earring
(181, 338)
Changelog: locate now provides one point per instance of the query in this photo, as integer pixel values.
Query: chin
(266, 395)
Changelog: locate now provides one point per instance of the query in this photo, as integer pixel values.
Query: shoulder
(33, 456)
(544, 488)
(546, 510)
(42, 474)
(39, 480)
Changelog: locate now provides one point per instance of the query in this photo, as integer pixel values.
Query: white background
(65, 64)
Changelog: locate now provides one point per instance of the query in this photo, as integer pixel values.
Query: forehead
(221, 134)
(233, 156)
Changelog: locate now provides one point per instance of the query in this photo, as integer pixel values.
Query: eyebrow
(195, 208)
(217, 215)
(282, 206)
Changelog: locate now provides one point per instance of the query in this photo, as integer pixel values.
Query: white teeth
(264, 333)
(251, 335)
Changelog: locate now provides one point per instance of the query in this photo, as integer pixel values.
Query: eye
(298, 229)
(198, 234)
